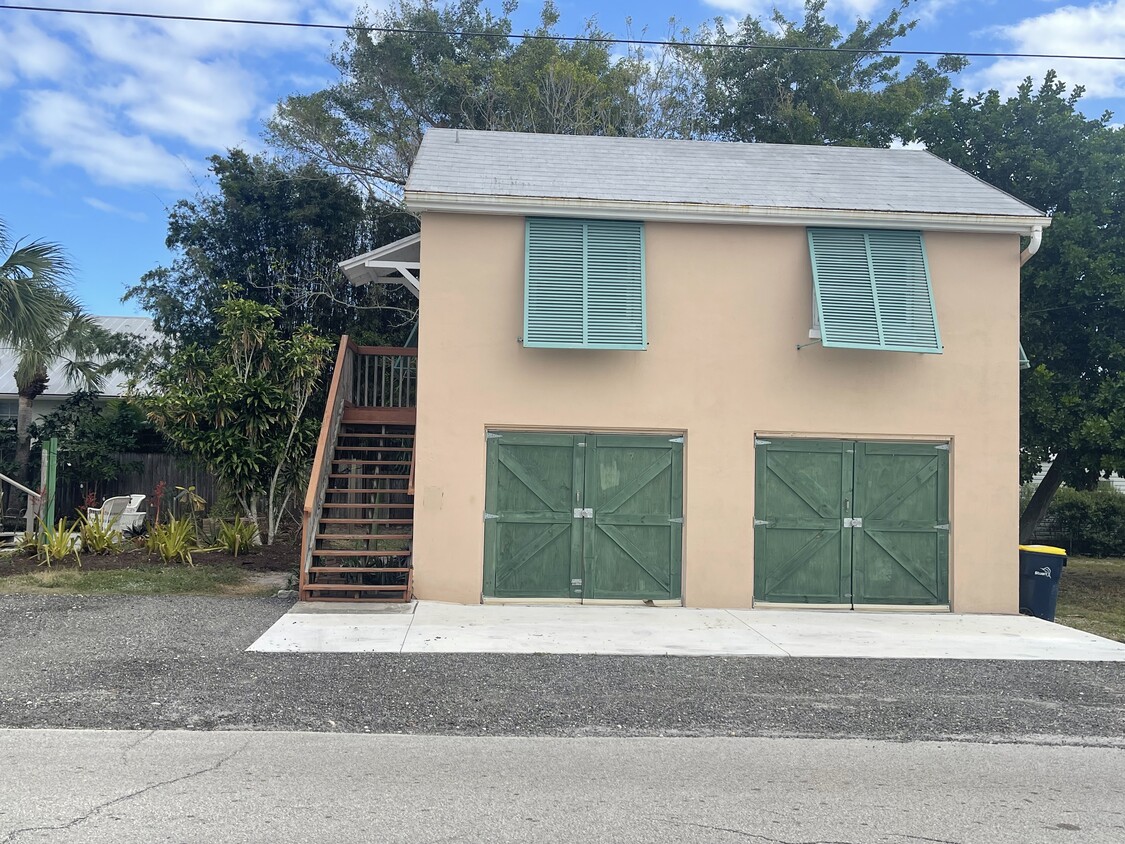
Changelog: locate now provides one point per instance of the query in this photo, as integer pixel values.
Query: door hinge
(583, 512)
(760, 522)
(679, 520)
(488, 516)
(492, 436)
(853, 523)
(941, 527)
(761, 442)
(942, 447)
(676, 440)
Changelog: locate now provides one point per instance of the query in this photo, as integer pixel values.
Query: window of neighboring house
(584, 284)
(873, 291)
(9, 408)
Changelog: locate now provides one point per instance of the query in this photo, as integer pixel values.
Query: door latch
(583, 512)
(853, 523)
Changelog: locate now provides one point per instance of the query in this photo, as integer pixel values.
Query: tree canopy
(275, 232)
(1039, 147)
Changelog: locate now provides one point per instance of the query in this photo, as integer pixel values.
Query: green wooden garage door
(583, 516)
(840, 522)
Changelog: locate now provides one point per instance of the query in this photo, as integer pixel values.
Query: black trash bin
(1040, 571)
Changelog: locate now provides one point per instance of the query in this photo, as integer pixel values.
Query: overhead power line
(531, 36)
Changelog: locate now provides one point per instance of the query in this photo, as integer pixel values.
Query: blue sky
(104, 123)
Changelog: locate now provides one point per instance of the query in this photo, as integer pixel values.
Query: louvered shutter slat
(873, 290)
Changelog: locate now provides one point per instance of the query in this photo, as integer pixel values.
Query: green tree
(457, 67)
(240, 406)
(81, 346)
(92, 435)
(33, 289)
(844, 92)
(1039, 147)
(275, 232)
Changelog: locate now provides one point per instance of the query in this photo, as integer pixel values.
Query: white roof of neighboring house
(57, 384)
(510, 172)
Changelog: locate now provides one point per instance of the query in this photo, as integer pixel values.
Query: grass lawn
(1092, 596)
(140, 580)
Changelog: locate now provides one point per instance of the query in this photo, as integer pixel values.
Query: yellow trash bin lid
(1044, 549)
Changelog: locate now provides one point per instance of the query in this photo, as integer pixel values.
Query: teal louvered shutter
(585, 284)
(873, 290)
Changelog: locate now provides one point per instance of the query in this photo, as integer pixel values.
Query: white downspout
(1033, 246)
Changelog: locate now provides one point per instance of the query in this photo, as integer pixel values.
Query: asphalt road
(119, 787)
(180, 663)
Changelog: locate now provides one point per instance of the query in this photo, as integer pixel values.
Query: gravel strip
(180, 663)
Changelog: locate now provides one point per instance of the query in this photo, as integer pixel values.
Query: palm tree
(81, 345)
(34, 299)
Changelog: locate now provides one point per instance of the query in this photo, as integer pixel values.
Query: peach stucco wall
(727, 306)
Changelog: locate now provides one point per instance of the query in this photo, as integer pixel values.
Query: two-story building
(713, 374)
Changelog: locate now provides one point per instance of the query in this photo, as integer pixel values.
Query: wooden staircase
(359, 512)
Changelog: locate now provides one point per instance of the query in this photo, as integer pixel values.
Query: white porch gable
(395, 263)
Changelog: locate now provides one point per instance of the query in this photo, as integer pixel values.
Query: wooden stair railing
(321, 467)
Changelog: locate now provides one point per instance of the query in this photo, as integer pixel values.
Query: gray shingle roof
(115, 384)
(644, 170)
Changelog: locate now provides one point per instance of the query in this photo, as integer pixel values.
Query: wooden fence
(150, 469)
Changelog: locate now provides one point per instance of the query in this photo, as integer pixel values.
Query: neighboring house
(58, 388)
(714, 374)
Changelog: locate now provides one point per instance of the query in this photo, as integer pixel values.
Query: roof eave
(420, 201)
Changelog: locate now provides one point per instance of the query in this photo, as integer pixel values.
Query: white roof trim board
(705, 181)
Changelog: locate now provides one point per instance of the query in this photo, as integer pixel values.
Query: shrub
(1093, 521)
(173, 540)
(58, 543)
(235, 537)
(97, 537)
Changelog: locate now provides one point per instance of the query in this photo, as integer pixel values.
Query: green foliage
(455, 67)
(57, 543)
(172, 540)
(273, 233)
(33, 290)
(235, 537)
(97, 537)
(241, 405)
(92, 435)
(1092, 520)
(1038, 146)
(833, 96)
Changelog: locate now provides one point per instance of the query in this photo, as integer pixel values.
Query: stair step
(358, 586)
(367, 521)
(378, 537)
(357, 463)
(306, 595)
(354, 569)
(333, 552)
(379, 504)
(358, 476)
(341, 447)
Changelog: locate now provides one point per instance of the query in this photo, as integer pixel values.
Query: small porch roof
(395, 263)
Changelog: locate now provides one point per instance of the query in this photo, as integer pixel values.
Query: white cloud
(74, 131)
(138, 102)
(764, 8)
(108, 208)
(1094, 29)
